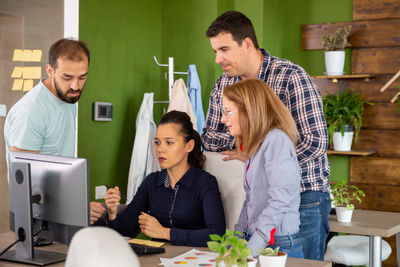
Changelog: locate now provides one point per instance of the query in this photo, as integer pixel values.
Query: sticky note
(36, 73)
(27, 74)
(17, 72)
(28, 85)
(36, 55)
(27, 56)
(17, 85)
(18, 55)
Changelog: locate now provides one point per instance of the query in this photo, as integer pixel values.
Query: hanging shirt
(144, 160)
(180, 101)
(194, 88)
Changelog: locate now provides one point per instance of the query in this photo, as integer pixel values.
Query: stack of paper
(192, 258)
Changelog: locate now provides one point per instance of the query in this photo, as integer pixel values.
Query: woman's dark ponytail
(196, 156)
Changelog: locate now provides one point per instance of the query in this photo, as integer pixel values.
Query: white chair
(229, 175)
(352, 250)
(100, 247)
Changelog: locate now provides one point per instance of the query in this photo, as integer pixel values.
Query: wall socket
(100, 192)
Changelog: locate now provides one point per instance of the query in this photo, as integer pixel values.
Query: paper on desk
(146, 242)
(193, 258)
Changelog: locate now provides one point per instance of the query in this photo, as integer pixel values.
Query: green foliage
(342, 109)
(344, 194)
(268, 251)
(232, 249)
(336, 40)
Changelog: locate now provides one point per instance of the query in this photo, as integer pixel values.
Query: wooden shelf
(336, 78)
(352, 152)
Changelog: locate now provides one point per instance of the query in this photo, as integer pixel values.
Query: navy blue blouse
(192, 209)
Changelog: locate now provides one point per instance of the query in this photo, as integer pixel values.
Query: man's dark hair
(71, 49)
(235, 23)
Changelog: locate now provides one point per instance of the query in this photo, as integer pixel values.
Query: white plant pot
(273, 261)
(343, 214)
(342, 143)
(252, 263)
(334, 62)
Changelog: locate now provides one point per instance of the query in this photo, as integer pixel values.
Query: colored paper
(18, 55)
(32, 73)
(36, 55)
(28, 85)
(146, 242)
(17, 72)
(27, 55)
(192, 257)
(17, 85)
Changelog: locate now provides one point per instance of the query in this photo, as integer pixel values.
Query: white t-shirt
(42, 122)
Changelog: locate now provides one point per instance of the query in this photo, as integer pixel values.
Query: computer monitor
(49, 193)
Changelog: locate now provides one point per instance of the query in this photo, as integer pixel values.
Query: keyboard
(140, 249)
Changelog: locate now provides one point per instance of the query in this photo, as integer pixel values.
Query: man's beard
(64, 97)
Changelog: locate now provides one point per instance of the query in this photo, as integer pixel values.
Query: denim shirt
(272, 186)
(192, 209)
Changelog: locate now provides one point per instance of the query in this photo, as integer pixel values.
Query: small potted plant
(269, 257)
(343, 114)
(232, 250)
(343, 196)
(334, 45)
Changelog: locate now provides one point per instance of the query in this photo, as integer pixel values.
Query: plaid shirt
(303, 99)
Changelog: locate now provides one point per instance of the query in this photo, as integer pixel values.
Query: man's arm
(13, 148)
(305, 104)
(215, 135)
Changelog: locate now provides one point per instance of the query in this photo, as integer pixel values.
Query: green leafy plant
(337, 40)
(342, 109)
(231, 248)
(344, 194)
(268, 252)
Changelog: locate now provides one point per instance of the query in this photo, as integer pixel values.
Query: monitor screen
(63, 186)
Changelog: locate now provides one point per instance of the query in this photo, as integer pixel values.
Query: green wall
(124, 35)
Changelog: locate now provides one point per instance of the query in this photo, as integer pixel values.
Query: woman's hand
(152, 228)
(113, 196)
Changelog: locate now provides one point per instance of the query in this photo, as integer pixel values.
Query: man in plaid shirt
(233, 39)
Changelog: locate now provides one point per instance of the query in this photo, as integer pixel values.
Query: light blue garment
(194, 91)
(40, 121)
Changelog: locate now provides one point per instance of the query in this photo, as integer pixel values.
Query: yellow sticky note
(154, 244)
(18, 55)
(17, 85)
(17, 72)
(27, 74)
(27, 55)
(36, 73)
(36, 55)
(28, 85)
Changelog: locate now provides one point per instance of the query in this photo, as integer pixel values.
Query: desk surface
(368, 222)
(145, 261)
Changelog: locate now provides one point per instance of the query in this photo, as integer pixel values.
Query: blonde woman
(266, 134)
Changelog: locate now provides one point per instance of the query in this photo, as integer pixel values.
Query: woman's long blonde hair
(260, 111)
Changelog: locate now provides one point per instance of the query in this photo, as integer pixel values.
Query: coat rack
(171, 73)
(394, 78)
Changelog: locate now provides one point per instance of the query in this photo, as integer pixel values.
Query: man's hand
(234, 154)
(152, 228)
(113, 196)
(96, 210)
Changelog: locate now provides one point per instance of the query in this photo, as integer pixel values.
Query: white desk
(145, 261)
(375, 224)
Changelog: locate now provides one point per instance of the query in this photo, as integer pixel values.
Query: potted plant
(334, 45)
(343, 196)
(343, 114)
(232, 250)
(269, 257)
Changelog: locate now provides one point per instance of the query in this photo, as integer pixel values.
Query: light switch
(102, 111)
(3, 110)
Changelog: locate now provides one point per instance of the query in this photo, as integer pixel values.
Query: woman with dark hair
(182, 202)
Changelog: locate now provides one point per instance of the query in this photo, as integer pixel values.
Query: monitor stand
(20, 191)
